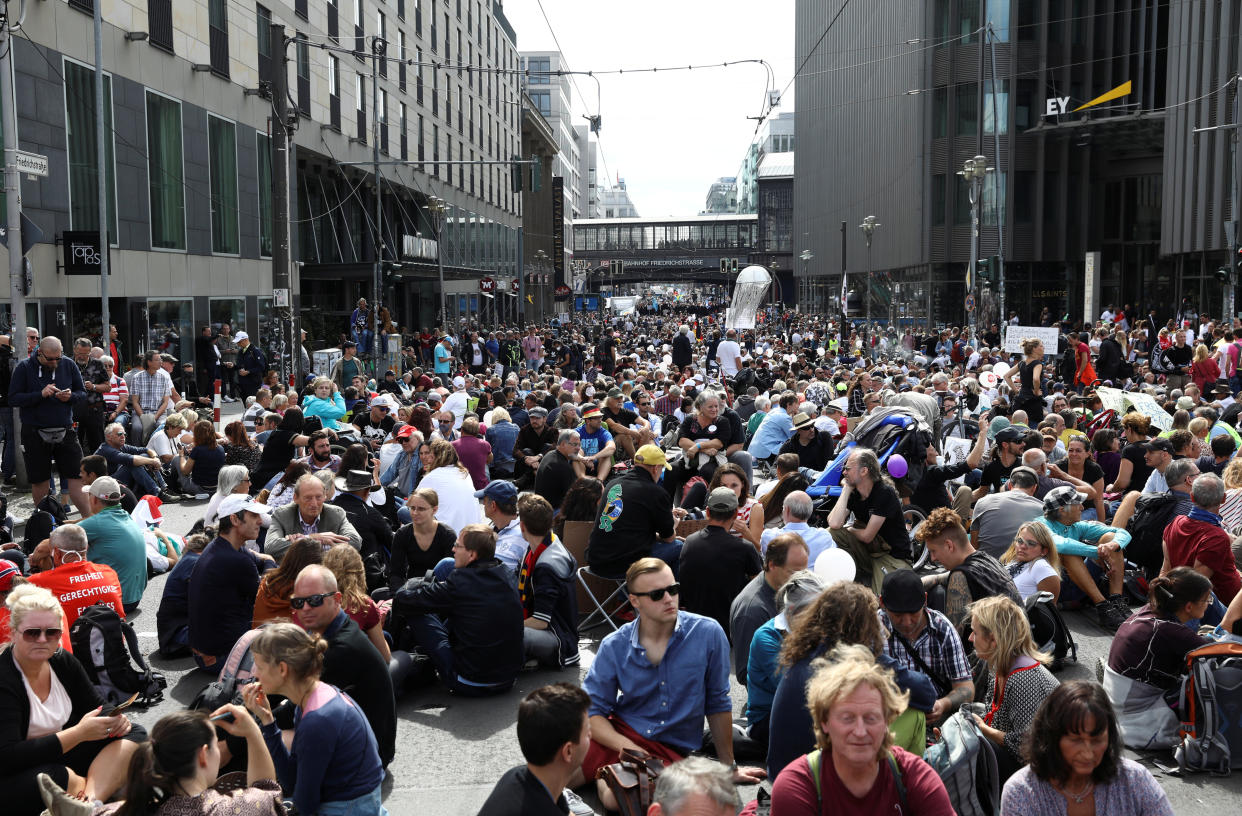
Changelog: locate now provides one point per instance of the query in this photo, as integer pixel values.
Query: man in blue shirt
(775, 429)
(597, 444)
(656, 708)
(444, 357)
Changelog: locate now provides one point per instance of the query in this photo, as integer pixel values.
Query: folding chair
(618, 599)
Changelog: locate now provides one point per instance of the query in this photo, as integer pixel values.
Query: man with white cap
(458, 402)
(224, 582)
(251, 365)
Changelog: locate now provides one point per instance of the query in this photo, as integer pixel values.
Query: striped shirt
(118, 395)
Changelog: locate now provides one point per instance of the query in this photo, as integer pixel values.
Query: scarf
(528, 566)
(1199, 514)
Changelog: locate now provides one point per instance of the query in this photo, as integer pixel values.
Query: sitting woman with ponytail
(1147, 660)
(333, 766)
(175, 774)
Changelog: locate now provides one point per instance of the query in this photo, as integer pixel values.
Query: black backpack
(1067, 366)
(106, 646)
(1152, 514)
(1048, 629)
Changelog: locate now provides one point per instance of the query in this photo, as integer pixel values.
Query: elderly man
(43, 387)
(76, 582)
(558, 468)
(628, 429)
(352, 663)
(1051, 476)
(309, 517)
(133, 466)
(795, 518)
(1196, 540)
(471, 623)
(877, 540)
(756, 603)
(1078, 541)
(812, 446)
(776, 428)
(116, 539)
(534, 441)
(251, 365)
(998, 516)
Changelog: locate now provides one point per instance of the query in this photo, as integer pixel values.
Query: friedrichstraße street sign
(31, 163)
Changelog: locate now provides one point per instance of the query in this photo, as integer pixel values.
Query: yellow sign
(1115, 93)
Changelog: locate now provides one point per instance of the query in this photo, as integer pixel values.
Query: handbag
(632, 781)
(52, 436)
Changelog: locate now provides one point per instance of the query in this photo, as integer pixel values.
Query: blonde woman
(1033, 562)
(1231, 509)
(351, 579)
(1018, 678)
(1204, 370)
(1030, 372)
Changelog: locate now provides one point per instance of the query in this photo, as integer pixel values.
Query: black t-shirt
(624, 417)
(1178, 358)
(374, 432)
(996, 474)
(816, 455)
(883, 501)
(1091, 473)
(930, 492)
(633, 513)
(520, 793)
(1135, 454)
(554, 478)
(411, 561)
(715, 566)
(690, 429)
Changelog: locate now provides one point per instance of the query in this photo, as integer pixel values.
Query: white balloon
(668, 359)
(1000, 369)
(834, 565)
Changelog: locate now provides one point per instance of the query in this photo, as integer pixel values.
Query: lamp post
(868, 227)
(541, 264)
(805, 256)
(973, 171)
(436, 207)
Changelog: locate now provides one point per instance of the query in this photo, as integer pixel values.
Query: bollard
(215, 405)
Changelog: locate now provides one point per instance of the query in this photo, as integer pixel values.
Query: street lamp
(974, 171)
(541, 263)
(806, 257)
(868, 227)
(436, 208)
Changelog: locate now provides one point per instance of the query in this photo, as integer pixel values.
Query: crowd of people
(386, 530)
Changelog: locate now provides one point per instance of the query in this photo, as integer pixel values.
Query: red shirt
(1189, 541)
(793, 793)
(80, 584)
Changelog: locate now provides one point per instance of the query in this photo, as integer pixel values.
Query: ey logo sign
(1058, 105)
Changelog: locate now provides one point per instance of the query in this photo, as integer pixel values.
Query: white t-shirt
(1029, 575)
(727, 353)
(50, 715)
(161, 444)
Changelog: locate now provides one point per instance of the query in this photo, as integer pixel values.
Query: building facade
(721, 196)
(1084, 112)
(189, 160)
(776, 134)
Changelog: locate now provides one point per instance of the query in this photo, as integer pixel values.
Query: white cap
(459, 382)
(237, 502)
(240, 336)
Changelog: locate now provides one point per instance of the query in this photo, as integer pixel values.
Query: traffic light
(1224, 275)
(515, 175)
(733, 265)
(985, 270)
(724, 266)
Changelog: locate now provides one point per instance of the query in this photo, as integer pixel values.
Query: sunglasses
(1027, 542)
(658, 594)
(315, 601)
(34, 635)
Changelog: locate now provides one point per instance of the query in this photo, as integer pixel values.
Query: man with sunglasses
(76, 582)
(376, 424)
(224, 583)
(44, 387)
(654, 659)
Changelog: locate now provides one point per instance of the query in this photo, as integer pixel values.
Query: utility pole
(1001, 211)
(377, 280)
(1235, 247)
(101, 163)
(287, 315)
(13, 191)
(844, 289)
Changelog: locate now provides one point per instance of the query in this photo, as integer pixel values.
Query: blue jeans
(431, 634)
(138, 478)
(8, 461)
(1212, 617)
(368, 804)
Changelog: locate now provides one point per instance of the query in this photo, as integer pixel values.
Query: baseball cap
(404, 431)
(1063, 496)
(651, 455)
(1012, 433)
(1160, 443)
(722, 500)
(459, 382)
(8, 571)
(240, 336)
(499, 491)
(235, 503)
(614, 393)
(902, 592)
(105, 488)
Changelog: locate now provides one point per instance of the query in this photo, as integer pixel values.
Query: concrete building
(721, 196)
(1088, 129)
(614, 202)
(588, 190)
(774, 248)
(775, 135)
(191, 164)
(553, 98)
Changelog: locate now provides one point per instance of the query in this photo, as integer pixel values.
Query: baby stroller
(889, 432)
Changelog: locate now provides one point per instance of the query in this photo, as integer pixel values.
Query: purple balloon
(897, 466)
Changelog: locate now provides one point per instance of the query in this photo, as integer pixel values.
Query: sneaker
(10, 481)
(1121, 604)
(168, 498)
(1109, 616)
(202, 496)
(576, 805)
(60, 803)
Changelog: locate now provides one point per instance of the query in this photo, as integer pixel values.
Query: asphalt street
(450, 751)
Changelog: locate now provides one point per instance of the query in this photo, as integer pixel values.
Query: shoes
(1109, 616)
(168, 498)
(10, 481)
(60, 803)
(1119, 602)
(202, 496)
(576, 805)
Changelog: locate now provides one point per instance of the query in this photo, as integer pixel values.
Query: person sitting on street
(500, 506)
(923, 639)
(116, 539)
(598, 445)
(353, 491)
(534, 441)
(1197, 540)
(554, 733)
(877, 540)
(635, 518)
(1074, 537)
(716, 564)
(695, 786)
(133, 466)
(351, 663)
(969, 575)
(319, 454)
(546, 588)
(997, 516)
(94, 467)
(172, 618)
(795, 517)
(471, 623)
(812, 446)
(557, 469)
(309, 517)
(755, 605)
(653, 658)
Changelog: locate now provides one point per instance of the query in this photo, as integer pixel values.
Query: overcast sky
(670, 134)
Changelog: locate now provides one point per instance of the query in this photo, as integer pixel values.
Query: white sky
(671, 134)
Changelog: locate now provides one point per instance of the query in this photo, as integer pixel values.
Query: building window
(418, 75)
(543, 102)
(422, 140)
(263, 16)
(334, 92)
(405, 132)
(961, 201)
(83, 152)
(334, 25)
(382, 119)
(937, 200)
(264, 160)
(165, 172)
(992, 207)
(381, 31)
(360, 111)
(967, 110)
(538, 70)
(995, 108)
(222, 158)
(83, 5)
(998, 17)
(401, 56)
(940, 113)
(159, 24)
(218, 26)
(304, 86)
(299, 8)
(360, 45)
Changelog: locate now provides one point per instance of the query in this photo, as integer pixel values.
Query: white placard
(956, 449)
(1091, 289)
(1014, 335)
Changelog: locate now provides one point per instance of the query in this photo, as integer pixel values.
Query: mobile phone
(112, 711)
(225, 717)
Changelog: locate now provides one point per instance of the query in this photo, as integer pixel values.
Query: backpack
(815, 758)
(1211, 707)
(1067, 366)
(966, 763)
(237, 670)
(107, 647)
(1152, 514)
(1048, 629)
(957, 353)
